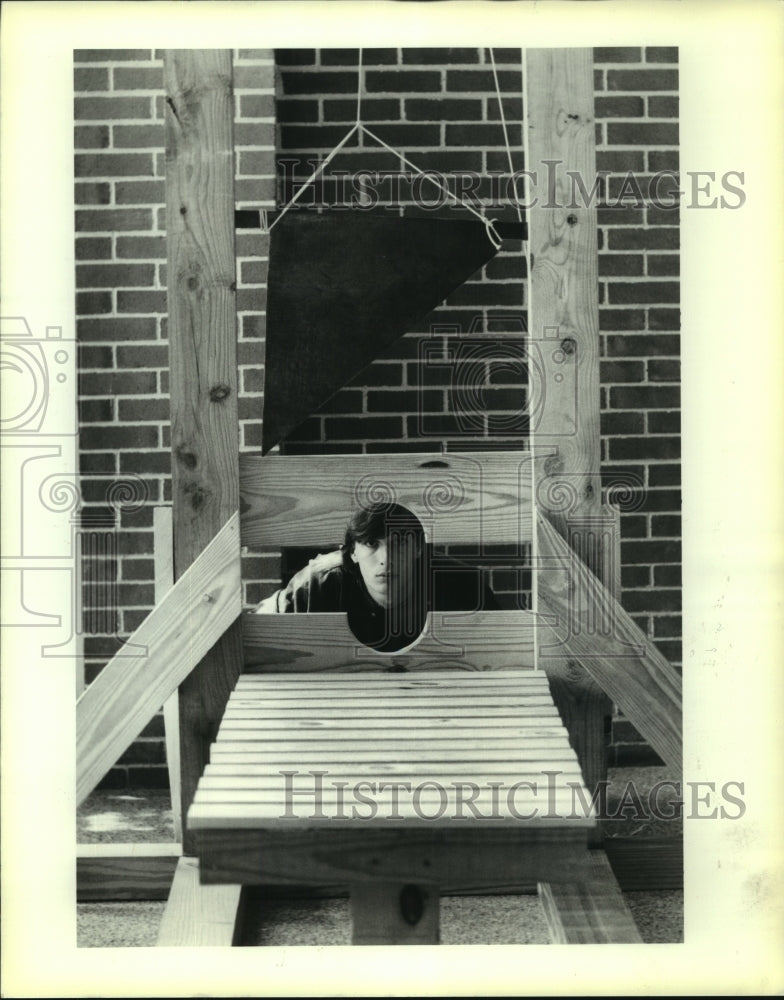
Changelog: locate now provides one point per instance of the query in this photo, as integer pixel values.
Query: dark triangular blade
(342, 287)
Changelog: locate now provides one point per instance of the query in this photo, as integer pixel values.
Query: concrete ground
(145, 816)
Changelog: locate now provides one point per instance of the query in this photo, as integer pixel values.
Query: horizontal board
(307, 500)
(304, 761)
(461, 855)
(247, 775)
(358, 736)
(269, 723)
(467, 679)
(469, 641)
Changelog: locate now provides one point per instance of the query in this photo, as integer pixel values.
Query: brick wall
(440, 108)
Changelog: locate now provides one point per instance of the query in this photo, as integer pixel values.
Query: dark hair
(372, 523)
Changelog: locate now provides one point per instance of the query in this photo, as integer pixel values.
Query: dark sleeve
(311, 589)
(458, 587)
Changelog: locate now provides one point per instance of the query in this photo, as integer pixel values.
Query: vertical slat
(164, 580)
(563, 298)
(203, 358)
(564, 330)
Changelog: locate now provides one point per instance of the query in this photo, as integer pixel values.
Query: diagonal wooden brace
(176, 635)
(582, 621)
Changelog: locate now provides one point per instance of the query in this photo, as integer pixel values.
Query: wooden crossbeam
(199, 915)
(462, 640)
(589, 912)
(125, 871)
(464, 497)
(583, 622)
(173, 638)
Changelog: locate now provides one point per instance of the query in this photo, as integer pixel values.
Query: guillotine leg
(394, 913)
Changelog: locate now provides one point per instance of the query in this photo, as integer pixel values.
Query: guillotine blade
(343, 286)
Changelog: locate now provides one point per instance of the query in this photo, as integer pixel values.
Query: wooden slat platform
(451, 777)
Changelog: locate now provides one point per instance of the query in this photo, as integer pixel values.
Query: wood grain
(589, 912)
(176, 634)
(203, 356)
(564, 309)
(588, 625)
(450, 640)
(107, 872)
(460, 857)
(463, 497)
(377, 914)
(197, 915)
(164, 580)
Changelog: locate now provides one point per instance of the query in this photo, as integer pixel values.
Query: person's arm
(316, 587)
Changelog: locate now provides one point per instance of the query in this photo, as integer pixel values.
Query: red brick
(97, 462)
(140, 193)
(112, 55)
(663, 159)
(644, 447)
(642, 79)
(664, 319)
(139, 569)
(360, 428)
(478, 80)
(408, 81)
(664, 475)
(617, 54)
(117, 384)
(622, 265)
(144, 410)
(642, 134)
(513, 109)
(112, 220)
(643, 345)
(114, 275)
(292, 111)
(667, 576)
(373, 110)
(93, 248)
(411, 400)
(661, 54)
(481, 135)
(113, 329)
(632, 292)
(138, 78)
(635, 576)
(647, 552)
(92, 194)
(100, 438)
(619, 107)
(143, 356)
(111, 108)
(644, 239)
(93, 303)
(622, 319)
(91, 136)
(645, 397)
(146, 462)
(141, 302)
(113, 165)
(138, 136)
(316, 82)
(96, 411)
(620, 160)
(663, 107)
(664, 371)
(663, 525)
(622, 371)
(90, 78)
(260, 106)
(664, 422)
(439, 57)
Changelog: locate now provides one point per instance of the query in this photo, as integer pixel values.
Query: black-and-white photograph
(370, 515)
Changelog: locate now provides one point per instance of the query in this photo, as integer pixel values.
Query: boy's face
(388, 566)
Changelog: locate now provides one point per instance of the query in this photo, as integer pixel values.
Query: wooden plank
(459, 497)
(175, 635)
(457, 856)
(589, 912)
(478, 640)
(202, 357)
(197, 915)
(106, 872)
(386, 913)
(521, 681)
(164, 581)
(591, 627)
(563, 311)
(646, 864)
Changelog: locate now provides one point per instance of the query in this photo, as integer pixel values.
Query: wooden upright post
(203, 360)
(563, 320)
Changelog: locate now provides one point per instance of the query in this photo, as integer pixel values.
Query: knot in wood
(412, 904)
(219, 392)
(572, 220)
(568, 345)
